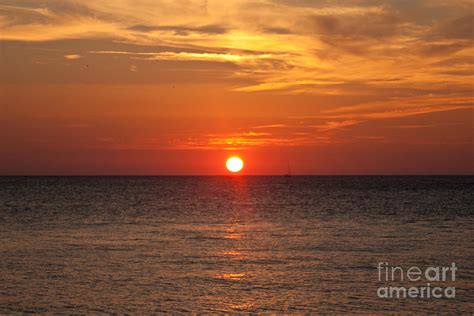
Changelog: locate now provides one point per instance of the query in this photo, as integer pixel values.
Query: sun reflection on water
(233, 276)
(232, 253)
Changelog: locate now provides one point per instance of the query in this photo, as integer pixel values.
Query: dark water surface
(229, 244)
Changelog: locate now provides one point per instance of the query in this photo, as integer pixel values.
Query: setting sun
(234, 164)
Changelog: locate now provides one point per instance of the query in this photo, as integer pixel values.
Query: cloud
(460, 28)
(277, 30)
(441, 48)
(234, 141)
(412, 126)
(333, 67)
(72, 56)
(404, 106)
(325, 48)
(455, 61)
(375, 23)
(332, 125)
(180, 29)
(191, 56)
(220, 57)
(410, 112)
(270, 126)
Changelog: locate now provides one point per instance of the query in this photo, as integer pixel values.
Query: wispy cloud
(270, 126)
(308, 47)
(72, 56)
(395, 60)
(188, 56)
(331, 125)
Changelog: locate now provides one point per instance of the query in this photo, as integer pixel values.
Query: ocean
(226, 244)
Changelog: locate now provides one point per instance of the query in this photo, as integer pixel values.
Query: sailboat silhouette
(288, 173)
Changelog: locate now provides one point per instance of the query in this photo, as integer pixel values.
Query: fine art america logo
(426, 283)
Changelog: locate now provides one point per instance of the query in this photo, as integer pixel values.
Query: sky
(174, 87)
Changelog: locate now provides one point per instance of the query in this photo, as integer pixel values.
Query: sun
(234, 164)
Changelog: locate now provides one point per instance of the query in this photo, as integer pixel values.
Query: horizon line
(240, 175)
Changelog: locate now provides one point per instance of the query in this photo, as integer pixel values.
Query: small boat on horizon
(288, 174)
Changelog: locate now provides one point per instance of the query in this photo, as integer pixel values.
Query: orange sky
(176, 86)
